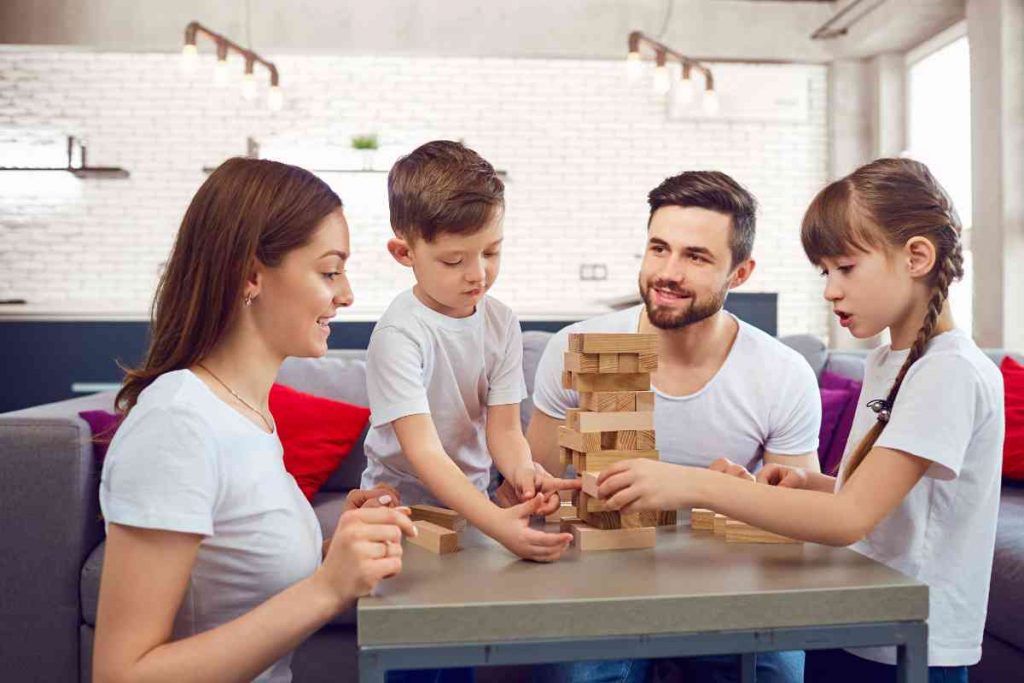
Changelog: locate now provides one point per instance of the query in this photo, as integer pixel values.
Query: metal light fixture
(225, 48)
(685, 91)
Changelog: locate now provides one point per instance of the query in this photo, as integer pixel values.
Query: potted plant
(367, 145)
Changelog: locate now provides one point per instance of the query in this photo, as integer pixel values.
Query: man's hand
(726, 466)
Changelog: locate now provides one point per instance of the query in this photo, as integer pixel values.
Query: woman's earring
(248, 299)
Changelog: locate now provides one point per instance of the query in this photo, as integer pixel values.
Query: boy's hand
(529, 480)
(780, 475)
(726, 466)
(514, 532)
(641, 484)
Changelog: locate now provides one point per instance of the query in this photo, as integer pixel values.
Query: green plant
(364, 141)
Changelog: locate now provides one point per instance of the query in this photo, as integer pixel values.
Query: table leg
(748, 667)
(370, 670)
(912, 656)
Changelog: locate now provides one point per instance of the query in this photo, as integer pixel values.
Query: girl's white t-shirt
(185, 461)
(949, 411)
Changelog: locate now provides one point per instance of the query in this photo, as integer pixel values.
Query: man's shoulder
(768, 352)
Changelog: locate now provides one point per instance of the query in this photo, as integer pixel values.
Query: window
(939, 134)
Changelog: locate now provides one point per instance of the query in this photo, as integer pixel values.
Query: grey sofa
(52, 553)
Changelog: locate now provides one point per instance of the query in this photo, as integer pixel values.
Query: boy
(444, 365)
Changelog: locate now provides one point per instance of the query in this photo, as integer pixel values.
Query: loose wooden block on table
(596, 382)
(702, 520)
(740, 532)
(588, 538)
(718, 525)
(435, 538)
(599, 342)
(586, 421)
(449, 519)
(564, 511)
(666, 518)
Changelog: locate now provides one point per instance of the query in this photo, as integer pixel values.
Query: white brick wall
(581, 145)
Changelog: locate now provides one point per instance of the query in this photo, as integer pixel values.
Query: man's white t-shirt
(185, 461)
(764, 398)
(420, 361)
(949, 410)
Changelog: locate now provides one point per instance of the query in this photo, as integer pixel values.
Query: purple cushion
(103, 426)
(837, 413)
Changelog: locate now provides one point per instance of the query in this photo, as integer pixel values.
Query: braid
(950, 269)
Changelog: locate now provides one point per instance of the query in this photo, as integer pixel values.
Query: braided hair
(883, 205)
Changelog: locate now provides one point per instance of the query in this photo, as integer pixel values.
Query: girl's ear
(919, 255)
(400, 251)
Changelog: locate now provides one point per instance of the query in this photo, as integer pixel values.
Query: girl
(213, 557)
(921, 489)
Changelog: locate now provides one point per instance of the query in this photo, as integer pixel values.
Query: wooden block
(666, 518)
(590, 483)
(564, 511)
(702, 520)
(624, 439)
(644, 401)
(435, 538)
(608, 422)
(645, 440)
(579, 441)
(608, 362)
(718, 525)
(629, 362)
(633, 381)
(581, 362)
(588, 538)
(443, 517)
(597, 342)
(567, 380)
(599, 460)
(592, 511)
(625, 402)
(740, 532)
(567, 523)
(635, 520)
(647, 362)
(567, 455)
(611, 401)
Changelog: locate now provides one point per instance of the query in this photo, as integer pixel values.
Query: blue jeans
(772, 667)
(839, 666)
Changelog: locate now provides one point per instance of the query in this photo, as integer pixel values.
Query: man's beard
(673, 319)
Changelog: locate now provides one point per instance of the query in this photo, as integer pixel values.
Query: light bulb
(634, 67)
(189, 57)
(661, 83)
(275, 98)
(220, 72)
(684, 92)
(249, 86)
(710, 104)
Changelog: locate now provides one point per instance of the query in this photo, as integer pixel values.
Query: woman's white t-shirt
(949, 411)
(184, 460)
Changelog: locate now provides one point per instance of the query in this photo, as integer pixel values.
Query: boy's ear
(919, 255)
(400, 251)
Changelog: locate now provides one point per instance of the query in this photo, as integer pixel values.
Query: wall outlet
(593, 271)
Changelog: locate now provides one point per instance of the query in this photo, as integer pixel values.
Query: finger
(529, 490)
(550, 504)
(389, 490)
(767, 475)
(615, 468)
(720, 465)
(613, 484)
(530, 507)
(791, 480)
(385, 515)
(356, 499)
(385, 568)
(623, 498)
(373, 550)
(382, 533)
(555, 484)
(544, 539)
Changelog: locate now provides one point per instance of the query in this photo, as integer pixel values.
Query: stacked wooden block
(614, 421)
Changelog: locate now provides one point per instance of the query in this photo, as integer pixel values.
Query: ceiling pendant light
(230, 53)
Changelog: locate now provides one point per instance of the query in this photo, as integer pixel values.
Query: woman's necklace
(242, 400)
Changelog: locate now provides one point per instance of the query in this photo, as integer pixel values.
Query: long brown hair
(248, 210)
(882, 205)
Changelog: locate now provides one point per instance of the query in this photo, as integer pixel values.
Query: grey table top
(691, 582)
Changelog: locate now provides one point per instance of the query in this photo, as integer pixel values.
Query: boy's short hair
(715, 191)
(442, 187)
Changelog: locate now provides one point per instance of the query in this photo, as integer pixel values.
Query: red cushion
(317, 433)
(1013, 446)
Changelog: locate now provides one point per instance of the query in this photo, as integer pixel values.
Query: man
(726, 393)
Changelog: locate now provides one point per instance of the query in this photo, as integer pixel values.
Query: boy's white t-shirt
(420, 361)
(764, 398)
(949, 410)
(185, 461)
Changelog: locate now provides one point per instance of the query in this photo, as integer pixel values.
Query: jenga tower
(615, 421)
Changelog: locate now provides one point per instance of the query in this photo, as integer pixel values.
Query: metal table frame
(910, 638)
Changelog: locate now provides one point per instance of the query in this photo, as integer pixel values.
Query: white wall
(582, 148)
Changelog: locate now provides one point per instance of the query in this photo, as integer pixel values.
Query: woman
(213, 565)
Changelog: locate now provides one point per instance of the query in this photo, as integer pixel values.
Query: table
(694, 594)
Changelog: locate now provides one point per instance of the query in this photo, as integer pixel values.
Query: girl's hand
(380, 495)
(785, 477)
(366, 547)
(642, 484)
(726, 466)
(513, 531)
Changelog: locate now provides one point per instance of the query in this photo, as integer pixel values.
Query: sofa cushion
(1013, 445)
(811, 348)
(1006, 598)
